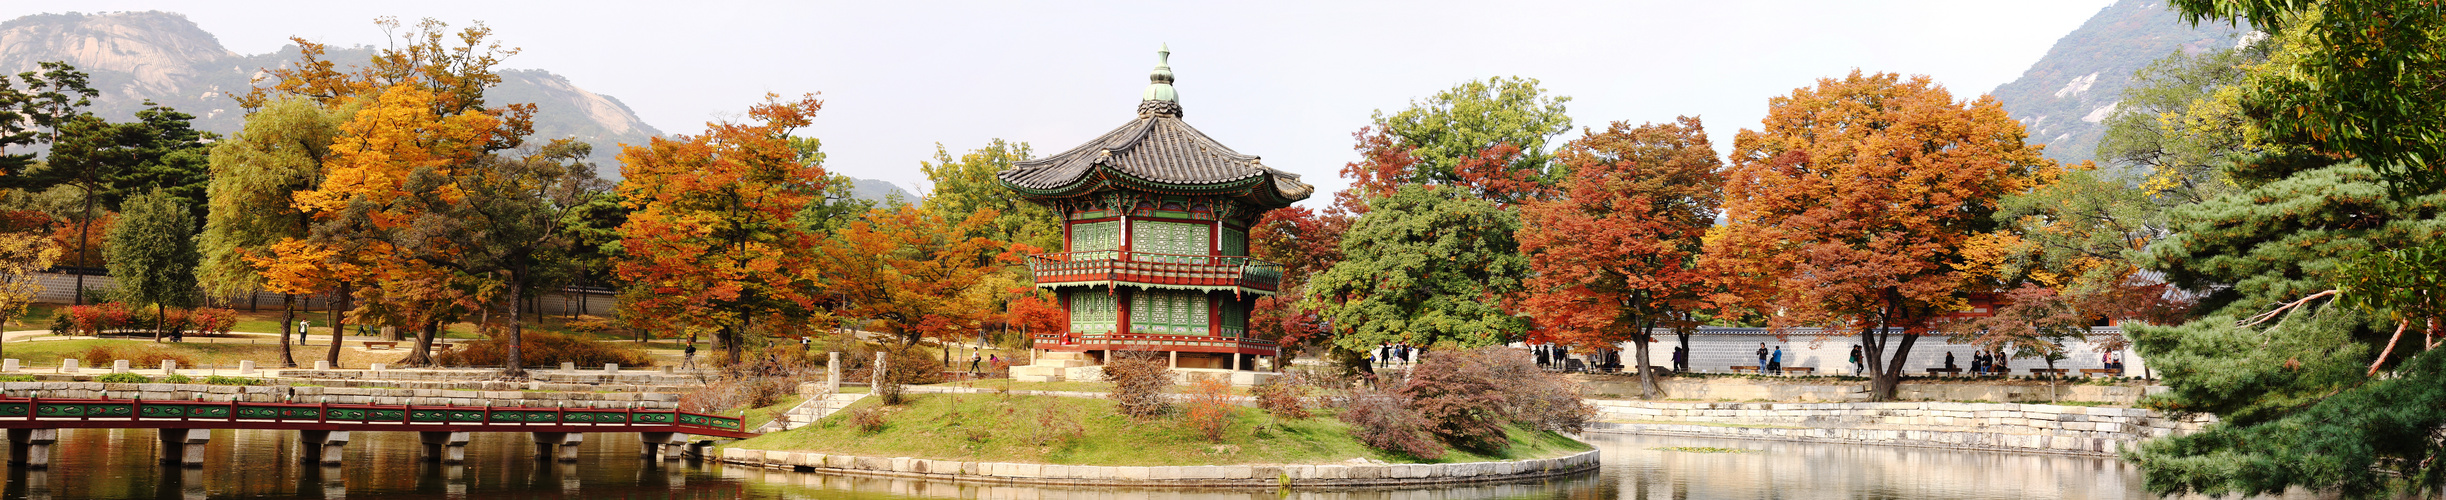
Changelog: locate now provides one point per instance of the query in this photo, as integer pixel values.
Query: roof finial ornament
(1160, 99)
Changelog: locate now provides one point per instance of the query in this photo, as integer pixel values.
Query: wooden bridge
(33, 425)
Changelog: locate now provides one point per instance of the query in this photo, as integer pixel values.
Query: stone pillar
(611, 368)
(8, 365)
(31, 447)
(560, 446)
(832, 373)
(661, 446)
(880, 372)
(246, 367)
(321, 447)
(444, 446)
(67, 365)
(1176, 359)
(169, 367)
(323, 364)
(184, 447)
(569, 366)
(1235, 361)
(118, 366)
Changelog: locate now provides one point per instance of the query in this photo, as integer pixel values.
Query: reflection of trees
(1811, 470)
(818, 485)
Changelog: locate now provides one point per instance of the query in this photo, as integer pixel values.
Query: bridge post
(322, 447)
(31, 447)
(8, 366)
(662, 446)
(832, 373)
(184, 447)
(566, 441)
(169, 367)
(444, 446)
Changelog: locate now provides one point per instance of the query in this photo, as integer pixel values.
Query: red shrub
(213, 321)
(1139, 379)
(1383, 419)
(1209, 408)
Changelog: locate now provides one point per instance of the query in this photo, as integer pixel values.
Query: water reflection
(120, 464)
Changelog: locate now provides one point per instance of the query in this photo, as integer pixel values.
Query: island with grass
(1461, 416)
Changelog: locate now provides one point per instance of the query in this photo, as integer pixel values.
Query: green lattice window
(1092, 312)
(1169, 312)
(1235, 316)
(1173, 238)
(1235, 242)
(1095, 236)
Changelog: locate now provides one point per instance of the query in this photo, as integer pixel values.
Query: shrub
(1462, 403)
(213, 321)
(1139, 379)
(123, 378)
(139, 355)
(1209, 408)
(16, 378)
(905, 366)
(869, 419)
(1284, 397)
(177, 379)
(220, 380)
(1467, 397)
(542, 348)
(1383, 420)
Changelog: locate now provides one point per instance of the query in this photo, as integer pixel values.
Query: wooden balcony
(1109, 268)
(1149, 342)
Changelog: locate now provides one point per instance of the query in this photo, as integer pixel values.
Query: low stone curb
(1205, 476)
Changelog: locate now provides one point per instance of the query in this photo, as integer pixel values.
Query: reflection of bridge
(33, 425)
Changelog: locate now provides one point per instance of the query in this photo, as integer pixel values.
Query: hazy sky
(1286, 80)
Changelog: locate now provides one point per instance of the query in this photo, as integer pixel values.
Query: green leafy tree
(1489, 135)
(152, 254)
(966, 185)
(1429, 266)
(253, 177)
(507, 223)
(2351, 77)
(2273, 243)
(840, 204)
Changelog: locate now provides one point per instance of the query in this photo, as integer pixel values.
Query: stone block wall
(1996, 426)
(1745, 389)
(1369, 474)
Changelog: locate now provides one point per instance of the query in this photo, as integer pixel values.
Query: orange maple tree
(1618, 252)
(1853, 208)
(712, 243)
(915, 273)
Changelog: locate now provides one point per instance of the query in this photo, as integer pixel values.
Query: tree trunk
(514, 365)
(159, 310)
(288, 323)
(1647, 378)
(422, 356)
(339, 325)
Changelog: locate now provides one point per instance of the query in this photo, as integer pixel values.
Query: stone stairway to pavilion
(1057, 367)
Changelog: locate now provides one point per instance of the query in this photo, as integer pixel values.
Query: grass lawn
(757, 417)
(1004, 428)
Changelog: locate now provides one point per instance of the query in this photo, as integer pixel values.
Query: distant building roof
(1156, 152)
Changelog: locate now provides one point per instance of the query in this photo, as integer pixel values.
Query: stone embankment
(341, 395)
(2029, 428)
(1328, 475)
(483, 379)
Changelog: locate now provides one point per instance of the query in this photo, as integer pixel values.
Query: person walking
(1777, 363)
(1680, 363)
(1856, 367)
(687, 357)
(1762, 358)
(1541, 355)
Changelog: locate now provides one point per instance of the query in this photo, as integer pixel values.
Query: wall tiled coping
(2030, 428)
(1204, 475)
(339, 395)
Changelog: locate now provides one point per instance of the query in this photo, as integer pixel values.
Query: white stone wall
(1270, 475)
(61, 289)
(1716, 350)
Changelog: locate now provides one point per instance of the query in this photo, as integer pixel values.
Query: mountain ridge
(2065, 96)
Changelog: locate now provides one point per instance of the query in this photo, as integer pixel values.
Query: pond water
(119, 464)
